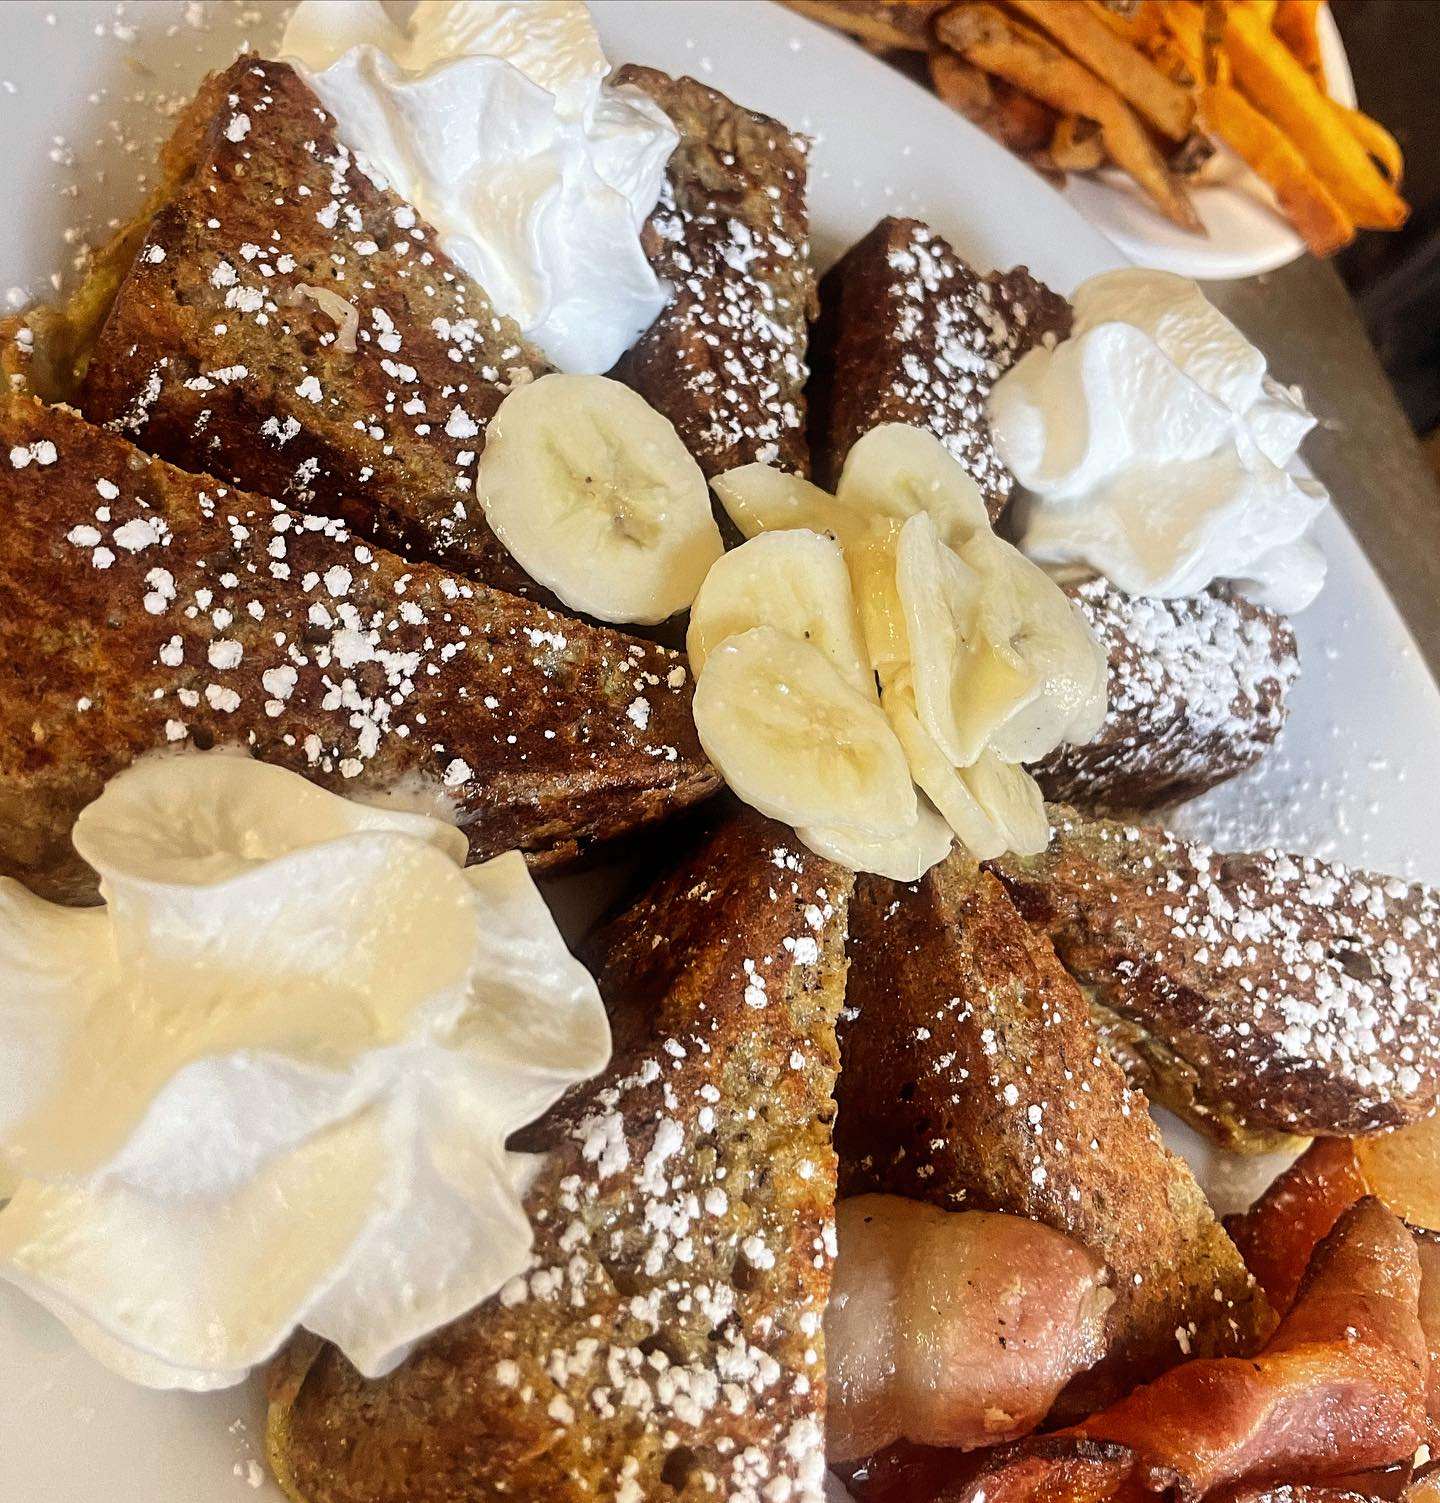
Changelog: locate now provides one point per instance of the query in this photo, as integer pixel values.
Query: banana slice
(1012, 798)
(1001, 657)
(759, 498)
(981, 835)
(882, 621)
(1039, 638)
(794, 740)
(905, 858)
(962, 691)
(898, 471)
(795, 581)
(596, 497)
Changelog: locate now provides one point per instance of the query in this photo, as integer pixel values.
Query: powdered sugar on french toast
(1197, 693)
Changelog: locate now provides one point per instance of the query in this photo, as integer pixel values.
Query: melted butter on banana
(862, 646)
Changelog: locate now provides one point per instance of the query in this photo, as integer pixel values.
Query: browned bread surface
(909, 333)
(210, 359)
(1197, 694)
(972, 1077)
(1257, 995)
(667, 1341)
(142, 608)
(725, 361)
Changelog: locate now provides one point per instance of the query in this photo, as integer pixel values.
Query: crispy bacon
(1339, 1388)
(1332, 1408)
(952, 1328)
(1277, 1235)
(1427, 1245)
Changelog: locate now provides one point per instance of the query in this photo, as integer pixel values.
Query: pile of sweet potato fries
(1149, 86)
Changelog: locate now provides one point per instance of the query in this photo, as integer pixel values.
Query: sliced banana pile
(859, 645)
(597, 499)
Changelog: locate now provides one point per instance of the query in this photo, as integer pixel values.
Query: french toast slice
(194, 339)
(143, 608)
(1260, 996)
(910, 333)
(1197, 692)
(725, 360)
(972, 1077)
(667, 1341)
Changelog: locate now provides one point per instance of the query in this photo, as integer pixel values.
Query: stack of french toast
(237, 517)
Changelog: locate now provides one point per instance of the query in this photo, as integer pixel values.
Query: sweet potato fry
(1302, 197)
(1280, 87)
(1076, 144)
(1013, 119)
(1378, 141)
(1128, 71)
(1296, 23)
(1189, 28)
(991, 41)
(900, 23)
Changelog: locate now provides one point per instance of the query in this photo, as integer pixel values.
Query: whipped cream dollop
(268, 1084)
(493, 118)
(1153, 446)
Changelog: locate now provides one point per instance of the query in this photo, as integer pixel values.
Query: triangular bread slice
(725, 360)
(1261, 996)
(142, 609)
(195, 340)
(973, 1078)
(667, 1341)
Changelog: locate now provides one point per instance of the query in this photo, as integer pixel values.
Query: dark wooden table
(1363, 448)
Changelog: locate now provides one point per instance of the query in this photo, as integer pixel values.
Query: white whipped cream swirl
(1152, 446)
(492, 118)
(269, 1083)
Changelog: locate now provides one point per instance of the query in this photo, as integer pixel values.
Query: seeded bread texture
(143, 609)
(909, 333)
(1260, 996)
(1197, 692)
(210, 357)
(725, 360)
(666, 1343)
(972, 1078)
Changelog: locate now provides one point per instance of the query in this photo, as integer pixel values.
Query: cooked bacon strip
(1338, 1389)
(1427, 1245)
(1277, 1235)
(952, 1328)
(1334, 1400)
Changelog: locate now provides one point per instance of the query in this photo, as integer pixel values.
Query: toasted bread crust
(209, 358)
(1197, 694)
(972, 1077)
(909, 333)
(667, 1342)
(1260, 995)
(725, 361)
(143, 609)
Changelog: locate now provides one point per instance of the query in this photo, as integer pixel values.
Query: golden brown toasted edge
(667, 1340)
(972, 1077)
(726, 359)
(910, 333)
(1296, 996)
(192, 334)
(1197, 693)
(144, 610)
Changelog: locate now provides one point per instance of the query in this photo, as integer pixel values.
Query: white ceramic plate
(1351, 777)
(1244, 233)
